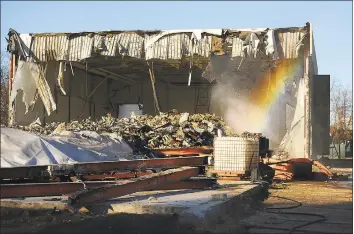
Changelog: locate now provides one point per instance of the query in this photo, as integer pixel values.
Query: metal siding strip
(61, 48)
(115, 45)
(77, 52)
(70, 50)
(132, 45)
(34, 47)
(163, 48)
(53, 39)
(39, 49)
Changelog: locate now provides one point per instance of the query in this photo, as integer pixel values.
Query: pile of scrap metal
(86, 183)
(299, 168)
(144, 132)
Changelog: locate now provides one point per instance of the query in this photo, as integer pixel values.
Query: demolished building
(271, 74)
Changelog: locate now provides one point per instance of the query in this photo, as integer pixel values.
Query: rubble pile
(144, 132)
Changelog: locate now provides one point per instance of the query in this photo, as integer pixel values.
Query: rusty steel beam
(230, 178)
(85, 168)
(46, 189)
(23, 172)
(228, 173)
(99, 167)
(143, 183)
(127, 175)
(186, 151)
(64, 188)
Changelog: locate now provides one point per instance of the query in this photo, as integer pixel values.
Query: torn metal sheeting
(25, 81)
(64, 188)
(169, 44)
(30, 78)
(145, 132)
(99, 167)
(143, 183)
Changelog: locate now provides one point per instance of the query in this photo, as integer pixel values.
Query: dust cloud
(232, 102)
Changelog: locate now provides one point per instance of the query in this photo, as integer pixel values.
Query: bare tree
(4, 88)
(341, 113)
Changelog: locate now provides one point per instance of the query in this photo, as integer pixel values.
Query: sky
(332, 21)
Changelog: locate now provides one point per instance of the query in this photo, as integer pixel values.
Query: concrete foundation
(202, 208)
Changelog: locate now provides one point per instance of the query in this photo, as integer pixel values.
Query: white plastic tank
(235, 154)
(126, 110)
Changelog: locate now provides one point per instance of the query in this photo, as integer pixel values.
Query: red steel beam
(84, 168)
(143, 183)
(228, 173)
(59, 189)
(45, 189)
(185, 151)
(101, 167)
(127, 175)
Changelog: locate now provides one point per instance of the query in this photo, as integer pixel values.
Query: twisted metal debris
(146, 132)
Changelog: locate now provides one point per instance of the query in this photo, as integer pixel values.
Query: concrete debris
(145, 132)
(219, 196)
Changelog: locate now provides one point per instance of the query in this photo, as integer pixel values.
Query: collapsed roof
(170, 44)
(126, 55)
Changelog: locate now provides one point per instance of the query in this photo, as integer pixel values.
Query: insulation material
(25, 81)
(293, 142)
(29, 78)
(216, 46)
(20, 148)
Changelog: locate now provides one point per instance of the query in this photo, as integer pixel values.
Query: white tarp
(21, 148)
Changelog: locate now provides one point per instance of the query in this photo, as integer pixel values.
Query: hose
(299, 204)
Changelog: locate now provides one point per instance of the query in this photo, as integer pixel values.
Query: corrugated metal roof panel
(176, 45)
(47, 48)
(168, 47)
(50, 48)
(288, 42)
(171, 46)
(203, 46)
(80, 48)
(237, 45)
(130, 44)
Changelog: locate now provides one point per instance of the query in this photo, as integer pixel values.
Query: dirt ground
(315, 200)
(330, 202)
